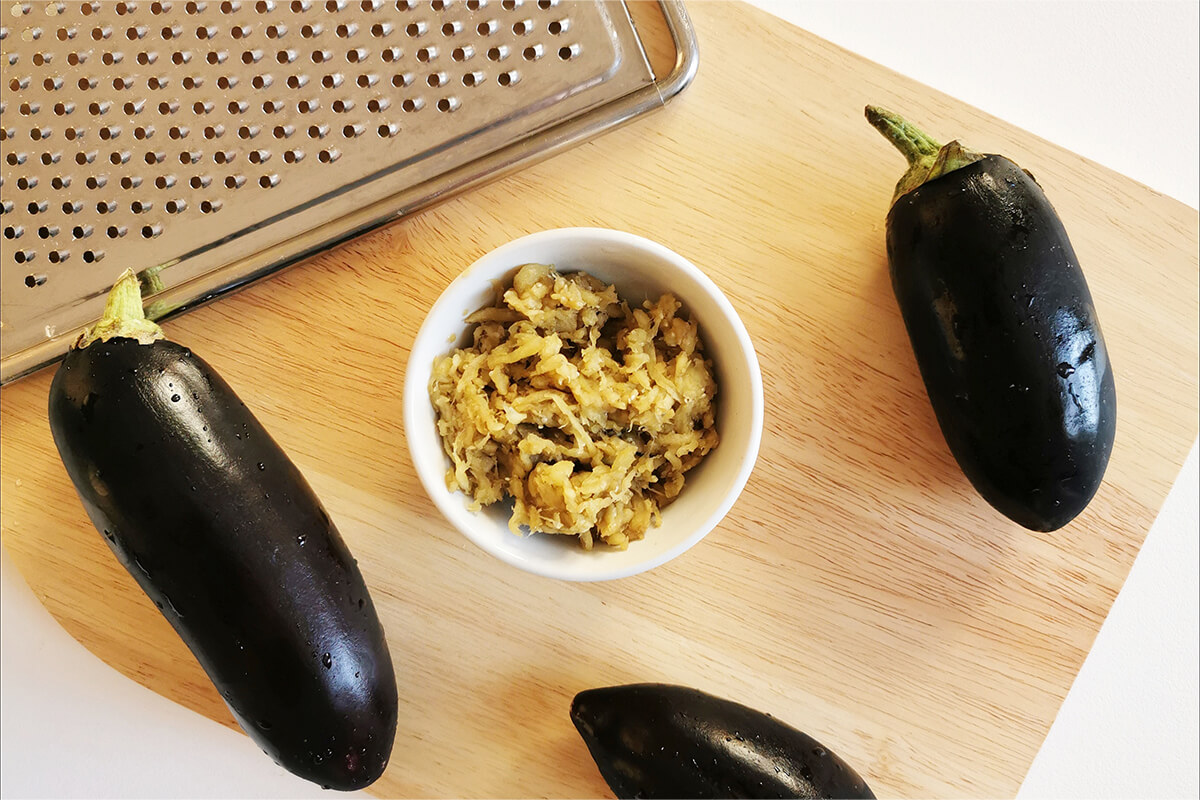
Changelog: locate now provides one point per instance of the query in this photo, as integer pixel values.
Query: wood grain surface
(859, 589)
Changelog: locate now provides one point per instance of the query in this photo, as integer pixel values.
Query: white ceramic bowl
(640, 269)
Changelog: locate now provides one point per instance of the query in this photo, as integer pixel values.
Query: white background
(1113, 81)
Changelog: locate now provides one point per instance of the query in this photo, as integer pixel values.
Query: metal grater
(206, 144)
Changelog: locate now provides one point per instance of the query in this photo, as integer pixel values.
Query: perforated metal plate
(207, 143)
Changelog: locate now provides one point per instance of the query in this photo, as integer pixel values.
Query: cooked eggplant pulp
(224, 534)
(1006, 338)
(660, 741)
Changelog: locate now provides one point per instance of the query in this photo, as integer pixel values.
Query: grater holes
(131, 182)
(237, 106)
(297, 81)
(346, 30)
(261, 81)
(13, 232)
(259, 156)
(29, 109)
(247, 131)
(92, 256)
(342, 106)
(276, 31)
(292, 156)
(510, 78)
(115, 232)
(81, 232)
(153, 157)
(264, 6)
(402, 80)
(405, 5)
(165, 182)
(285, 56)
(415, 29)
(391, 55)
(106, 206)
(451, 28)
(190, 157)
(214, 131)
(47, 232)
(448, 104)
(366, 80)
(119, 157)
(462, 53)
(227, 82)
(146, 58)
(509, 5)
(533, 52)
(334, 5)
(283, 131)
(427, 54)
(299, 6)
(320, 56)
(24, 256)
(475, 5)
(125, 8)
(311, 30)
(472, 79)
(175, 206)
(181, 57)
(357, 55)
(523, 27)
(252, 56)
(135, 32)
(120, 84)
(144, 132)
(487, 27)
(196, 182)
(52, 84)
(84, 84)
(224, 156)
(33, 281)
(437, 79)
(16, 159)
(377, 104)
(176, 132)
(369, 5)
(96, 181)
(100, 33)
(328, 156)
(110, 132)
(235, 181)
(157, 8)
(240, 31)
(201, 107)
(24, 183)
(134, 107)
(72, 207)
(317, 131)
(308, 106)
(546, 5)
(167, 107)
(387, 130)
(497, 53)
(59, 182)
(332, 80)
(381, 29)
(194, 7)
(269, 181)
(56, 257)
(569, 52)
(191, 82)
(80, 158)
(151, 231)
(51, 158)
(352, 131)
(230, 6)
(216, 57)
(412, 104)
(38, 207)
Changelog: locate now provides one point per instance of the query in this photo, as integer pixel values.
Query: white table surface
(1113, 81)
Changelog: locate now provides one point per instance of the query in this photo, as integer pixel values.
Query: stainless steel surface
(206, 144)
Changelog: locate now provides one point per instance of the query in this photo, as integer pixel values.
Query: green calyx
(123, 316)
(927, 159)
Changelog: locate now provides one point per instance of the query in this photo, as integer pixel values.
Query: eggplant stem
(123, 316)
(927, 159)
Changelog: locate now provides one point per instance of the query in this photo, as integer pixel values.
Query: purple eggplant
(658, 741)
(224, 534)
(1003, 328)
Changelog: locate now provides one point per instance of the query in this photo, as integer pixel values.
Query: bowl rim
(442, 497)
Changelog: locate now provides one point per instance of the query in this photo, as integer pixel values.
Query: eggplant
(223, 533)
(1003, 327)
(654, 740)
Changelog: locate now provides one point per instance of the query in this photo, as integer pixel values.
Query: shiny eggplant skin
(1006, 337)
(224, 534)
(660, 741)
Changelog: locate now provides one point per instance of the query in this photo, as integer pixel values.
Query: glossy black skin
(225, 536)
(1007, 340)
(659, 741)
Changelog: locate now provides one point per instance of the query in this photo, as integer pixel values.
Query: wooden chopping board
(859, 589)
